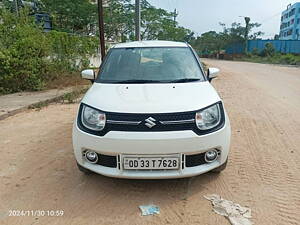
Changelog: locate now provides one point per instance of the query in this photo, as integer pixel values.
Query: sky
(204, 15)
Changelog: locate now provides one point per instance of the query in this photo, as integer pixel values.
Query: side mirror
(212, 73)
(88, 74)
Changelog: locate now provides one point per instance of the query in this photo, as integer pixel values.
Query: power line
(271, 17)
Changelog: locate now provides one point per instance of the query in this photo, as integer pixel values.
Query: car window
(157, 64)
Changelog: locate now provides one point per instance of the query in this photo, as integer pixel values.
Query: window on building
(292, 21)
(292, 12)
(298, 21)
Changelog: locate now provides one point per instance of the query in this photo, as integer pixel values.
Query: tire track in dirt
(241, 156)
(284, 195)
(269, 154)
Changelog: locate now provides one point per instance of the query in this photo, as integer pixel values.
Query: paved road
(263, 101)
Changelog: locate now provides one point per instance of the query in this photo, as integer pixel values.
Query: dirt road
(38, 171)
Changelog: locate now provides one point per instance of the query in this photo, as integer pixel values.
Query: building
(290, 23)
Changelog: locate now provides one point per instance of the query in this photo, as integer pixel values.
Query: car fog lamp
(91, 156)
(211, 155)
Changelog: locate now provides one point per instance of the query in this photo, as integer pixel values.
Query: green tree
(119, 20)
(159, 24)
(209, 42)
(80, 16)
(236, 33)
(213, 42)
(76, 16)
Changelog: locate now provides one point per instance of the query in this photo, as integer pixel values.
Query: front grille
(157, 116)
(159, 122)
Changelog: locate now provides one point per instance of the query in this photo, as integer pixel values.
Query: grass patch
(39, 105)
(283, 59)
(73, 96)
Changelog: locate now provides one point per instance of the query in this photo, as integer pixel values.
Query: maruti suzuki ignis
(151, 113)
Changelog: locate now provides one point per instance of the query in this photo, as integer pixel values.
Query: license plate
(150, 163)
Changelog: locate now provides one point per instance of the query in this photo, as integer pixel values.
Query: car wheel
(220, 168)
(84, 170)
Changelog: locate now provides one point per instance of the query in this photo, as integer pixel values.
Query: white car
(151, 113)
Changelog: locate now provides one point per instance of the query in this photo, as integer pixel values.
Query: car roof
(145, 44)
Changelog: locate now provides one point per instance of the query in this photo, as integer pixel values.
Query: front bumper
(117, 143)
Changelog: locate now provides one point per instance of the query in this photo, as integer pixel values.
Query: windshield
(150, 65)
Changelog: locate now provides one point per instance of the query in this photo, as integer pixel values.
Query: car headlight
(92, 118)
(208, 118)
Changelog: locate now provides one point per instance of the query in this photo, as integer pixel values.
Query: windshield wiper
(184, 80)
(136, 81)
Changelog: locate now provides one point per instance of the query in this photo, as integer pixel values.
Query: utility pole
(137, 20)
(247, 20)
(17, 7)
(175, 15)
(101, 28)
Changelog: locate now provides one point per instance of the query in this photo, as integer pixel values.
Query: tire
(84, 170)
(220, 168)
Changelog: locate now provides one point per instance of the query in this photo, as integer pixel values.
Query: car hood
(151, 98)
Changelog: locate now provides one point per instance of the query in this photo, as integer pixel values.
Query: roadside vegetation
(270, 56)
(283, 59)
(80, 17)
(213, 43)
(31, 59)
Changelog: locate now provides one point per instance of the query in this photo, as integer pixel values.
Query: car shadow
(162, 192)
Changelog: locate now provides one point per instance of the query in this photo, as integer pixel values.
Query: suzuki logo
(150, 122)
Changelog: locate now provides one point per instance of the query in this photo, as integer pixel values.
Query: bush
(29, 57)
(255, 52)
(268, 51)
(289, 59)
(23, 49)
(70, 52)
(277, 58)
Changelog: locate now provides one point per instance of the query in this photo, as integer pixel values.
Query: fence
(282, 46)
